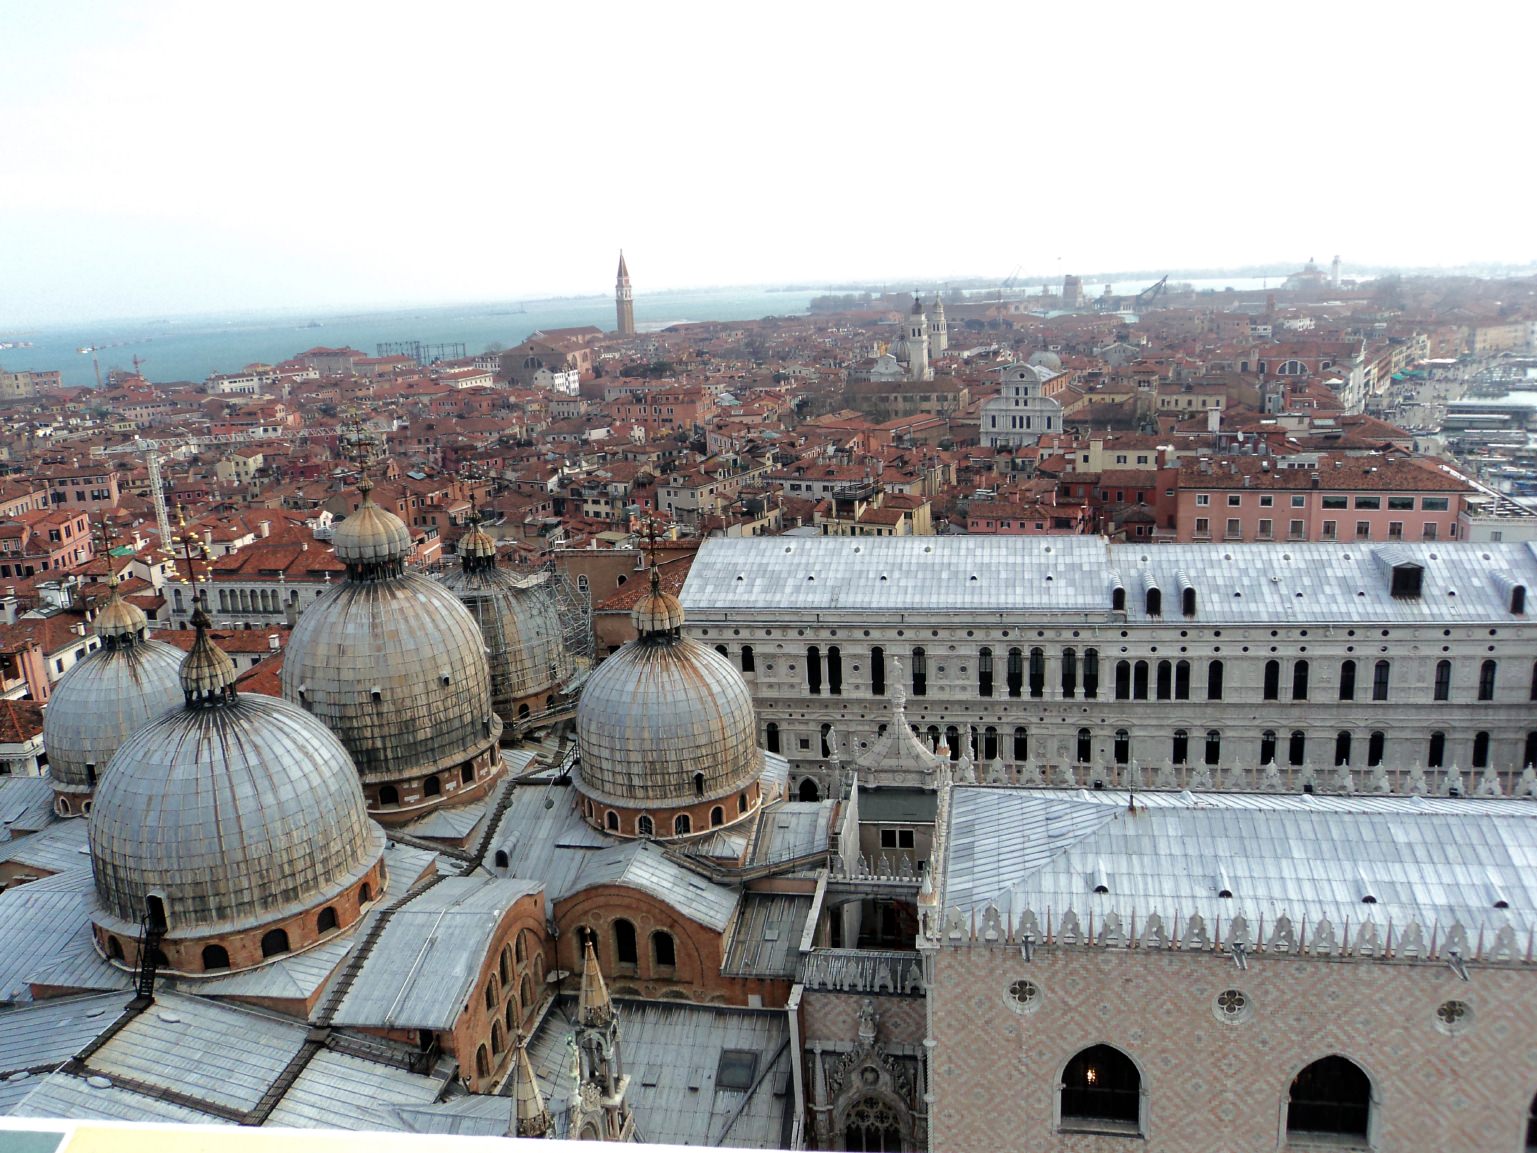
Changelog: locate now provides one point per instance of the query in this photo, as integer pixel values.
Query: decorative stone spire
(599, 1111)
(530, 1117)
(593, 1007)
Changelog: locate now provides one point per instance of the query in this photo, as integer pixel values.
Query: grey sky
(169, 157)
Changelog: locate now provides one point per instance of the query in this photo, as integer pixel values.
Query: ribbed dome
(657, 712)
(102, 699)
(520, 626)
(408, 640)
(235, 811)
(372, 539)
(1047, 360)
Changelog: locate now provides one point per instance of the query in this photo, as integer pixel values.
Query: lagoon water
(192, 348)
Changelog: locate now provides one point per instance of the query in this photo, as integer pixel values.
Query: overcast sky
(168, 157)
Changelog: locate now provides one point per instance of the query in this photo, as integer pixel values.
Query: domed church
(666, 733)
(229, 831)
(396, 667)
(520, 624)
(102, 699)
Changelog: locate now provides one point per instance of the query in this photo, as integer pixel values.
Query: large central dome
(666, 722)
(226, 816)
(396, 668)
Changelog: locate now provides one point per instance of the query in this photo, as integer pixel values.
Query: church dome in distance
(665, 721)
(256, 813)
(129, 681)
(1047, 360)
(519, 622)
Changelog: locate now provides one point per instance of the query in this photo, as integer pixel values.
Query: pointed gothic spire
(530, 1116)
(593, 1009)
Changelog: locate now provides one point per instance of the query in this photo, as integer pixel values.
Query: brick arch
(697, 947)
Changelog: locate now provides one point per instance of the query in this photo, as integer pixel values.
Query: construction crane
(153, 450)
(1150, 293)
(1008, 284)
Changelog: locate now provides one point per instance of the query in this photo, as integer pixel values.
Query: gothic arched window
(1102, 1088)
(1331, 1096)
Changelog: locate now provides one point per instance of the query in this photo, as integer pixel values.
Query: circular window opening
(1453, 1017)
(1231, 1006)
(1024, 996)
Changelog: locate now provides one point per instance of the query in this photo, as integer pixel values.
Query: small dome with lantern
(395, 666)
(667, 723)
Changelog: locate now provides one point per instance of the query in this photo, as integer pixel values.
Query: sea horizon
(193, 347)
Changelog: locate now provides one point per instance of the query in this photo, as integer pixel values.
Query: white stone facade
(1085, 695)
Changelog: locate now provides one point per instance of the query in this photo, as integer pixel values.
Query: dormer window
(1407, 580)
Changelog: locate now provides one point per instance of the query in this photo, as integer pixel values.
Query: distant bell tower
(624, 299)
(918, 343)
(939, 331)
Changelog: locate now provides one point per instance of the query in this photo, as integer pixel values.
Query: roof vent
(1101, 878)
(1224, 885)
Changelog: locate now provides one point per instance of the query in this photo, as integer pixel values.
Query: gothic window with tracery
(871, 1127)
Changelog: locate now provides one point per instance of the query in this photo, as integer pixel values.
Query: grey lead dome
(390, 661)
(232, 814)
(518, 620)
(103, 699)
(662, 709)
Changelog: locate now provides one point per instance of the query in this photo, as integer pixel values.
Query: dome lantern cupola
(207, 674)
(373, 542)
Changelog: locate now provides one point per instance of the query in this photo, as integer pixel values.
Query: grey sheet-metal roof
(38, 921)
(55, 849)
(74, 963)
(547, 843)
(51, 1032)
(642, 865)
(766, 576)
(340, 1091)
(452, 822)
(425, 961)
(765, 941)
(671, 1052)
(202, 1048)
(26, 803)
(68, 1096)
(1422, 859)
(792, 829)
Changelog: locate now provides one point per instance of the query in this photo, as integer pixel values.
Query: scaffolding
(423, 354)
